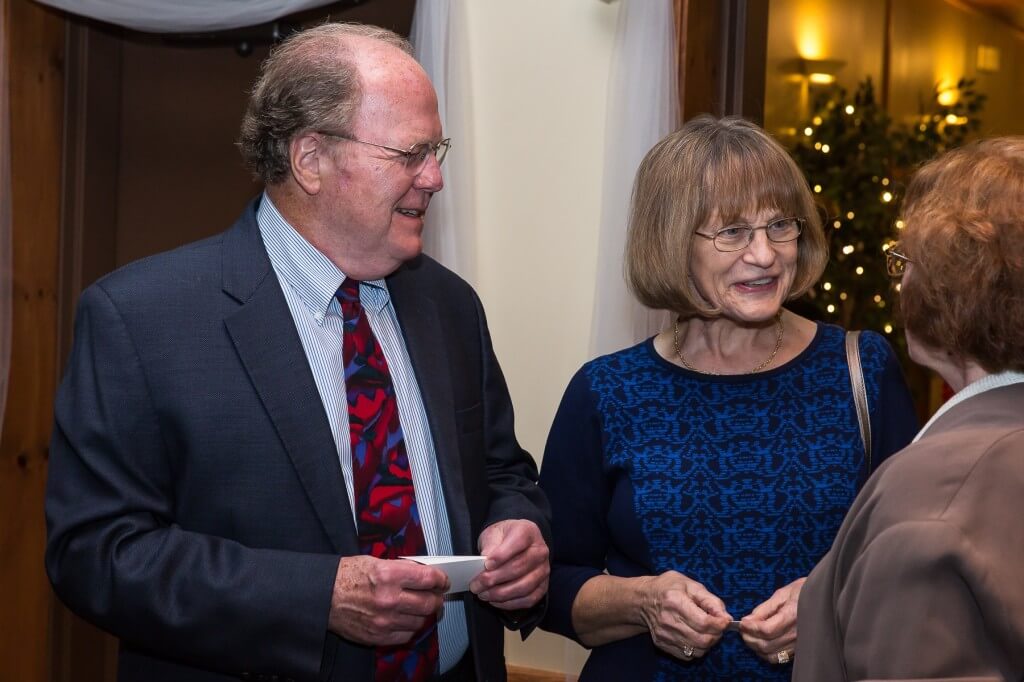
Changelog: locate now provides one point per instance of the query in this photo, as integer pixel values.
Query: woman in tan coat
(926, 577)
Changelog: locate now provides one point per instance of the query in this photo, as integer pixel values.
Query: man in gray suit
(254, 428)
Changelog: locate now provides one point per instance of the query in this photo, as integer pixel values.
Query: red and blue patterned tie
(387, 520)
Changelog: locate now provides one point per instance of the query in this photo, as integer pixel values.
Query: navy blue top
(739, 482)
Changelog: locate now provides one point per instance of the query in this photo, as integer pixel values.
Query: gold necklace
(778, 344)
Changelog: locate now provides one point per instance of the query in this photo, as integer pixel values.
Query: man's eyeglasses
(414, 158)
(895, 261)
(738, 236)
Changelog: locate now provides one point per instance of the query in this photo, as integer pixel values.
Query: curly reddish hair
(964, 234)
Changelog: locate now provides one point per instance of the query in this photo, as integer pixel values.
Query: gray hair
(309, 81)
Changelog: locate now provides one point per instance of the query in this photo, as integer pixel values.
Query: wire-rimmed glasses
(414, 158)
(895, 261)
(738, 236)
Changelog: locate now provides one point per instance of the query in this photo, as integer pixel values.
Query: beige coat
(926, 577)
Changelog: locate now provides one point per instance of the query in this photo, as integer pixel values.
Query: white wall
(539, 80)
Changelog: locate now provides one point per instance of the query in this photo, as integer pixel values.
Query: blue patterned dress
(739, 482)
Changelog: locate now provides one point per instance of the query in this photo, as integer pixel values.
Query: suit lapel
(428, 352)
(270, 349)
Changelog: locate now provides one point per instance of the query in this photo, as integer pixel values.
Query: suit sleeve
(573, 476)
(511, 471)
(916, 589)
(114, 553)
(941, 597)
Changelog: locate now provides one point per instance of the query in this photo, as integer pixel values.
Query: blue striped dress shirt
(309, 280)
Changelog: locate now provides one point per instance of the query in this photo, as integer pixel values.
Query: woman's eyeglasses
(896, 261)
(738, 236)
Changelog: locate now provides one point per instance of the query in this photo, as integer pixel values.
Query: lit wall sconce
(948, 96)
(816, 71)
(988, 58)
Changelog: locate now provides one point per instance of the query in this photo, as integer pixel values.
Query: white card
(459, 569)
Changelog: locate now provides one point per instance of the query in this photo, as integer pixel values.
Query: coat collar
(999, 405)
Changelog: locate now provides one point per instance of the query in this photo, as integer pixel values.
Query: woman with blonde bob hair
(696, 477)
(924, 579)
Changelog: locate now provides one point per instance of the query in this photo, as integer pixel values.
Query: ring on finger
(687, 651)
(783, 657)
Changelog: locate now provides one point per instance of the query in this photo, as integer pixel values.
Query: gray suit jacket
(195, 503)
(926, 577)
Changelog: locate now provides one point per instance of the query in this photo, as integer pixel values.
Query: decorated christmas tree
(858, 159)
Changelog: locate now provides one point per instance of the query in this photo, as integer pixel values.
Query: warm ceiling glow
(947, 57)
(811, 29)
(821, 78)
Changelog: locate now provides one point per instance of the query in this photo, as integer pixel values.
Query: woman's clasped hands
(770, 629)
(685, 619)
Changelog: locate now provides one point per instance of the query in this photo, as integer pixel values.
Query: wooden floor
(520, 674)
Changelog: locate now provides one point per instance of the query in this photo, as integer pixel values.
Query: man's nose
(430, 178)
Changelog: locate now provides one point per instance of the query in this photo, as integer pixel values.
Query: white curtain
(440, 41)
(5, 221)
(643, 107)
(175, 16)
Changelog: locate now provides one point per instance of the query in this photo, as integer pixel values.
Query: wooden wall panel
(36, 49)
(722, 46)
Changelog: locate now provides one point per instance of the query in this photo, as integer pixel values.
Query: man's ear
(307, 155)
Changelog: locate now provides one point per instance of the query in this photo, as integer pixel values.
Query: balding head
(315, 80)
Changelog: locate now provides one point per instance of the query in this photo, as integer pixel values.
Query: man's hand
(770, 629)
(381, 602)
(515, 575)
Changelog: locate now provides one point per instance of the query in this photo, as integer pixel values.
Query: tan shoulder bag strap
(860, 393)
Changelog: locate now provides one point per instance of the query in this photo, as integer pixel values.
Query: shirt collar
(986, 383)
(311, 274)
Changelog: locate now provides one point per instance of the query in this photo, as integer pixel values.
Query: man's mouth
(411, 212)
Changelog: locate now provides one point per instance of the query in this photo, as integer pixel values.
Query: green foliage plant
(857, 159)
